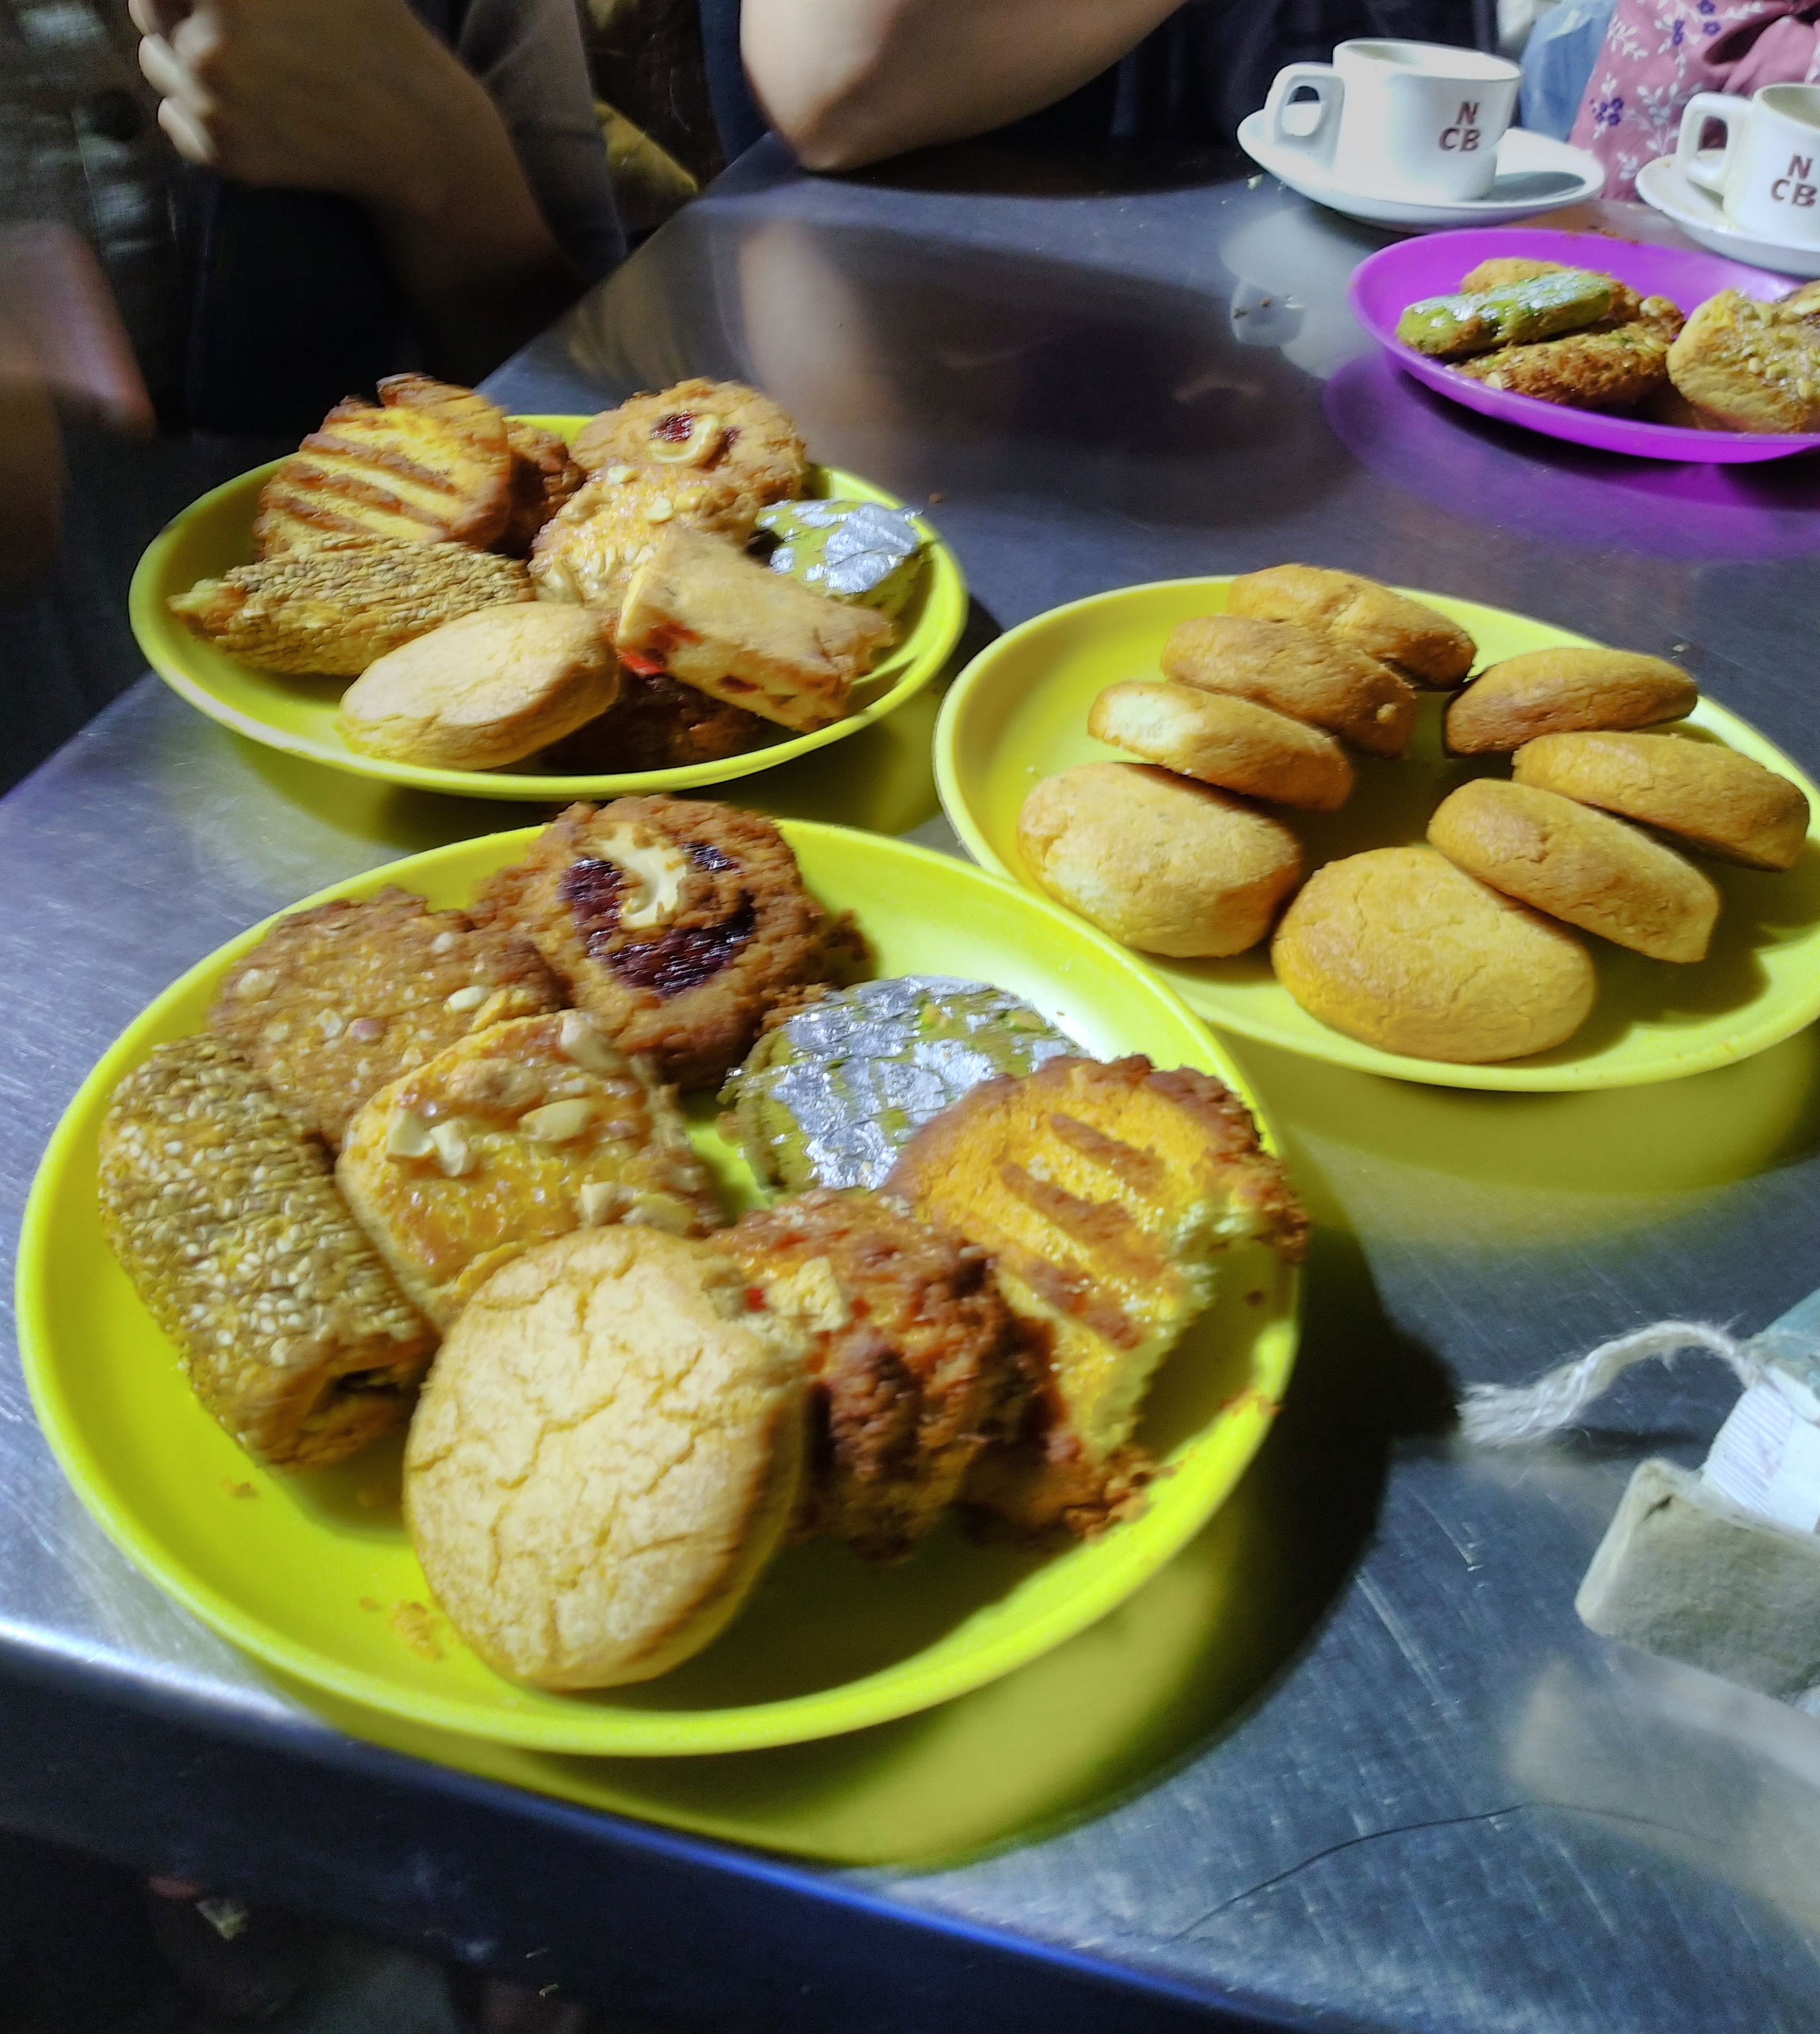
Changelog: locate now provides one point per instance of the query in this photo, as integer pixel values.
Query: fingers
(188, 135)
(64, 329)
(157, 17)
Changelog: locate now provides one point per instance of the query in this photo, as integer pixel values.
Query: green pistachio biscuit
(1513, 314)
(829, 1098)
(855, 551)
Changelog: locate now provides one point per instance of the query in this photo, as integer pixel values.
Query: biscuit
(1579, 865)
(720, 431)
(915, 1361)
(588, 552)
(1403, 632)
(1221, 739)
(543, 478)
(1557, 692)
(1401, 949)
(1165, 865)
(605, 1458)
(656, 724)
(333, 608)
(335, 1003)
(1107, 1193)
(528, 1130)
(1752, 366)
(1719, 801)
(701, 611)
(1295, 671)
(676, 922)
(222, 1212)
(485, 691)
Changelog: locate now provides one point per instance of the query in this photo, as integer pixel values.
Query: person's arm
(356, 97)
(848, 82)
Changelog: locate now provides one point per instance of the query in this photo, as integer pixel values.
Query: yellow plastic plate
(313, 1574)
(1019, 712)
(297, 714)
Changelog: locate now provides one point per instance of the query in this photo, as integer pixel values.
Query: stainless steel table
(1403, 1788)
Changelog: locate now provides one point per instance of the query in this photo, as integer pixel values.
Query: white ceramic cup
(1413, 120)
(1768, 175)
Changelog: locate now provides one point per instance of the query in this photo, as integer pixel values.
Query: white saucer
(1536, 173)
(1699, 215)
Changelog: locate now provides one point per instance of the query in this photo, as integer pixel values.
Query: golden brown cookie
(1221, 739)
(485, 691)
(526, 1130)
(1165, 865)
(1298, 672)
(1711, 796)
(335, 1002)
(720, 431)
(544, 477)
(1556, 692)
(606, 1457)
(1579, 865)
(588, 552)
(1401, 949)
(677, 923)
(1752, 367)
(1403, 632)
(915, 1362)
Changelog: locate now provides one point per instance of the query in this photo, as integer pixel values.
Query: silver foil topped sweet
(863, 544)
(831, 1096)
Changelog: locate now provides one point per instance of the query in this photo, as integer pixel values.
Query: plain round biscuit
(605, 1457)
(1559, 692)
(1164, 865)
(489, 689)
(1415, 638)
(1727, 803)
(1295, 671)
(1401, 949)
(1579, 865)
(1220, 739)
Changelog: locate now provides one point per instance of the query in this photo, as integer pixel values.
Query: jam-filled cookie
(720, 431)
(676, 923)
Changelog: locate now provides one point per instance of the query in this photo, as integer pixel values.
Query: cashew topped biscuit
(719, 431)
(605, 1457)
(526, 1130)
(677, 923)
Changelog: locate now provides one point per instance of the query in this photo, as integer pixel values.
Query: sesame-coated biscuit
(1405, 634)
(1561, 691)
(222, 1213)
(1579, 865)
(606, 1457)
(1165, 865)
(1297, 671)
(1398, 948)
(1718, 801)
(1219, 738)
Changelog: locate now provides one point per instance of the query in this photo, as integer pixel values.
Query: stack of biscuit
(1174, 854)
(1462, 950)
(494, 595)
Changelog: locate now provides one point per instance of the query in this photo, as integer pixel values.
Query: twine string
(1499, 1416)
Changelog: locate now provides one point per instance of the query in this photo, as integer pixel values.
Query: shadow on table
(1103, 1716)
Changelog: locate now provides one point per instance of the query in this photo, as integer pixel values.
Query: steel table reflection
(1399, 1785)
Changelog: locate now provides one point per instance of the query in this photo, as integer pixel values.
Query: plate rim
(1672, 442)
(1385, 210)
(1354, 1055)
(880, 1696)
(946, 602)
(1689, 220)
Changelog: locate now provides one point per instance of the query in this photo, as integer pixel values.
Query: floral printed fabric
(1657, 53)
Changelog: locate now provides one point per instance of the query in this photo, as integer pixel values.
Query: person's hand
(61, 341)
(337, 95)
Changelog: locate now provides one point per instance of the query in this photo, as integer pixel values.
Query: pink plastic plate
(1385, 284)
